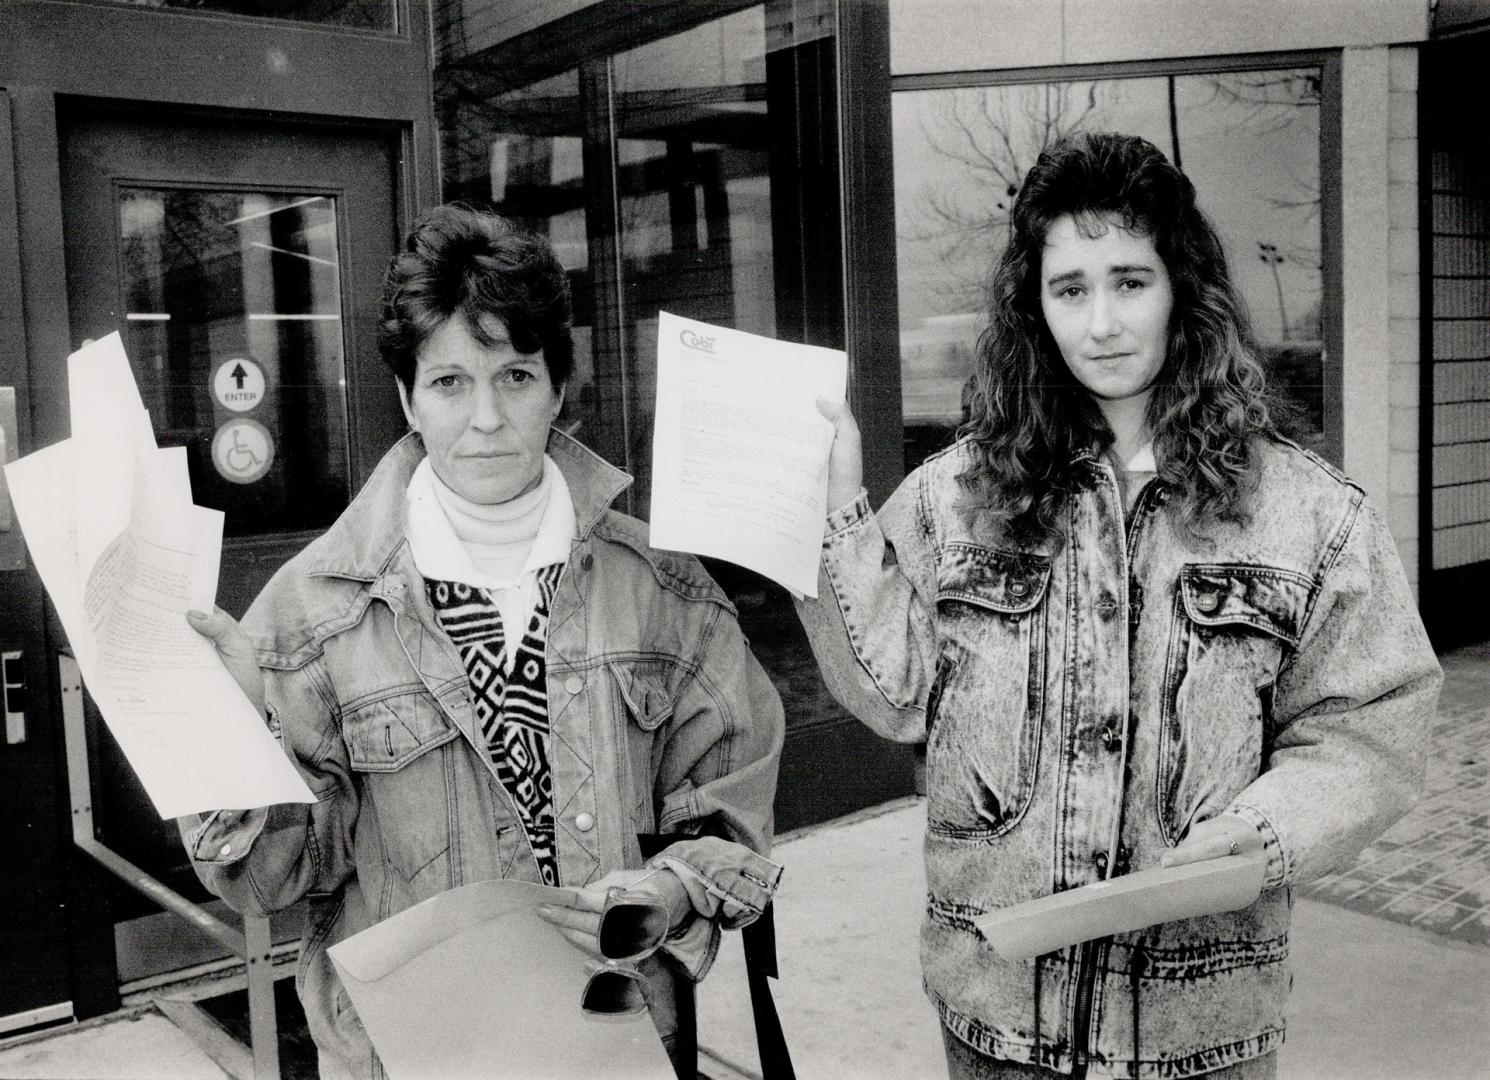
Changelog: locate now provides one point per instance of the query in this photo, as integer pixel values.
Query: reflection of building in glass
(212, 275)
(1248, 139)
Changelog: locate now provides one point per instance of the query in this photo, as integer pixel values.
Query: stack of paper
(123, 553)
(473, 984)
(739, 449)
(1123, 904)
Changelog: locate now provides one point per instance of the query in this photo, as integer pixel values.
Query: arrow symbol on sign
(238, 375)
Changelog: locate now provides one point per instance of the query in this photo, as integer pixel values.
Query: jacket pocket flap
(386, 734)
(646, 695)
(1007, 581)
(1265, 598)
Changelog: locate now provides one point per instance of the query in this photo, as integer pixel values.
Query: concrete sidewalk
(1391, 958)
(1372, 999)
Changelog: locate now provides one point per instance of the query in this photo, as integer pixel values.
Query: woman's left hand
(1226, 834)
(580, 923)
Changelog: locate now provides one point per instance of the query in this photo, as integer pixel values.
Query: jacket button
(225, 850)
(1111, 739)
(1019, 588)
(586, 561)
(584, 822)
(1101, 860)
(1207, 601)
(574, 684)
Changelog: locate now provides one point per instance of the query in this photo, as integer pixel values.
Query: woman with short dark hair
(484, 672)
(1135, 626)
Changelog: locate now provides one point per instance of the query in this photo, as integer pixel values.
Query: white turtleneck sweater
(499, 548)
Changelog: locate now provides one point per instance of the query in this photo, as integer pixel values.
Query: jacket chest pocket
(1231, 627)
(644, 704)
(987, 699)
(404, 785)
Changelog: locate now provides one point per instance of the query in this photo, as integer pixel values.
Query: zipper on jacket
(1081, 1020)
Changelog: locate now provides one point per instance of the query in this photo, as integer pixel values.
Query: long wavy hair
(1030, 420)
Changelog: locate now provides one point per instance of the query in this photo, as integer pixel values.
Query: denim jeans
(965, 1063)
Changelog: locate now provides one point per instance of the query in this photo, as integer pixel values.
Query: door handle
(14, 678)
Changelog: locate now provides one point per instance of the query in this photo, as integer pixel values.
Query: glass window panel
(363, 14)
(1248, 140)
(233, 327)
(693, 180)
(522, 153)
(694, 187)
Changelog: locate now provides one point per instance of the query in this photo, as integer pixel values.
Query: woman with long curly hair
(1136, 627)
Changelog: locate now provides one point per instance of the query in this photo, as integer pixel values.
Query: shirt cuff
(1272, 847)
(734, 895)
(847, 516)
(224, 836)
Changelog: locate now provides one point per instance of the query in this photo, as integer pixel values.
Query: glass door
(701, 169)
(241, 262)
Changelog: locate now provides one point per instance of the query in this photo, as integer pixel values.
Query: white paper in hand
(124, 554)
(1123, 904)
(739, 449)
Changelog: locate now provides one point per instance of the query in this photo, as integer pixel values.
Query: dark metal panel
(1449, 76)
(44, 280)
(153, 55)
(602, 230)
(1426, 579)
(32, 896)
(870, 296)
(1331, 233)
(12, 326)
(43, 302)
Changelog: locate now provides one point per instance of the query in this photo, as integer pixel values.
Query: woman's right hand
(846, 461)
(236, 651)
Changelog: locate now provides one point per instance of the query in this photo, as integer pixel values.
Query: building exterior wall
(1404, 282)
(1381, 284)
(1377, 246)
(956, 35)
(1365, 253)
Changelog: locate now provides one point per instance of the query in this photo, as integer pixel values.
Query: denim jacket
(662, 721)
(1084, 704)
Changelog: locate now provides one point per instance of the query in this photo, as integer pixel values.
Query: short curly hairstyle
(462, 260)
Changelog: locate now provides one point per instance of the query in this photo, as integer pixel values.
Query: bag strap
(759, 940)
(759, 943)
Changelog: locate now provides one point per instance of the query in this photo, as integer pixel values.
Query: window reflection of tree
(988, 137)
(1260, 104)
(994, 134)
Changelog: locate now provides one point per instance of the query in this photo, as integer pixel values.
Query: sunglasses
(632, 928)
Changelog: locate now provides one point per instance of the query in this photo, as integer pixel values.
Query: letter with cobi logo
(739, 449)
(692, 339)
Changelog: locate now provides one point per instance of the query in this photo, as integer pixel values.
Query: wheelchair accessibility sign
(242, 450)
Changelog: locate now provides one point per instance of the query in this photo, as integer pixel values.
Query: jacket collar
(366, 537)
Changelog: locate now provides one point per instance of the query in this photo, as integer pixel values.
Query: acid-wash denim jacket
(662, 722)
(1083, 705)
